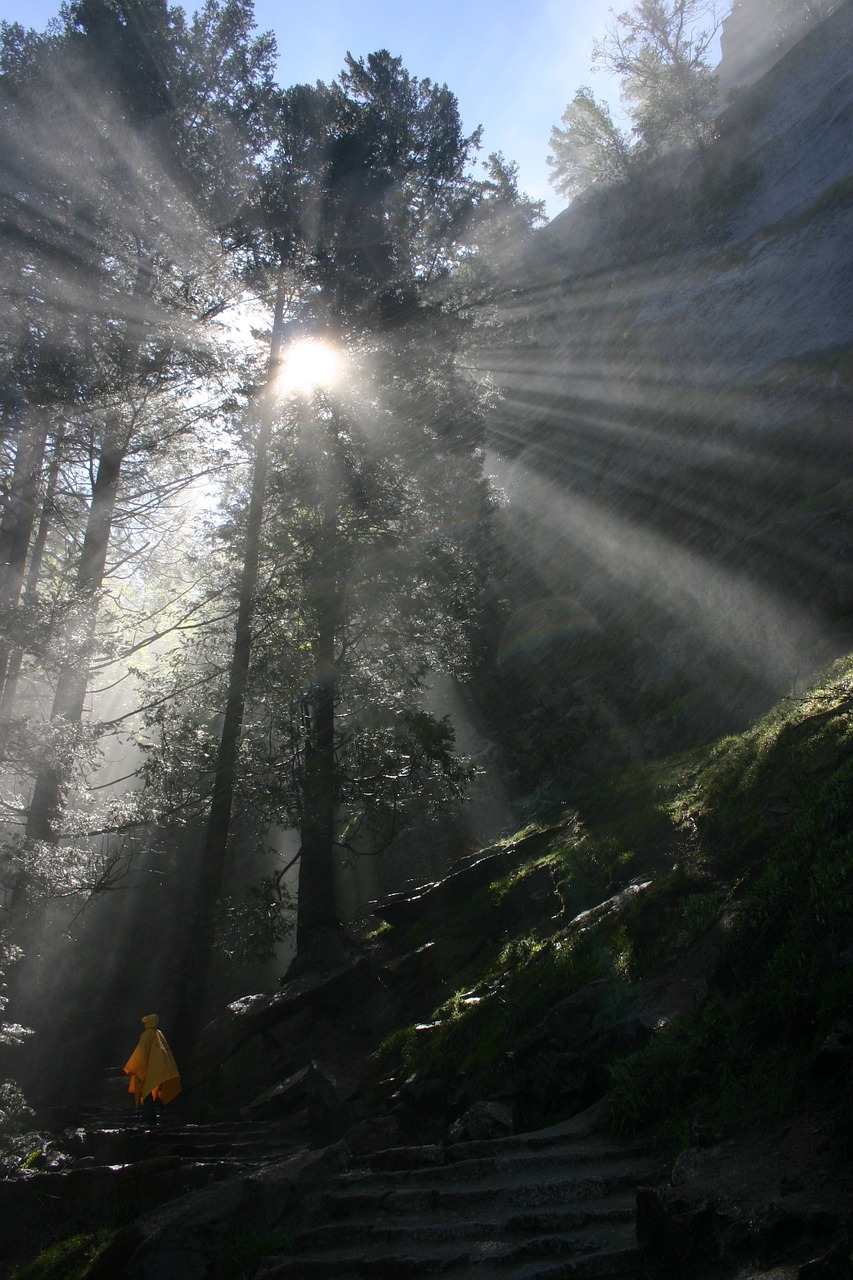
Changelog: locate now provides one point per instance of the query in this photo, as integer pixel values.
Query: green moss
(370, 932)
(500, 889)
(663, 923)
(627, 806)
(590, 870)
(471, 1032)
(69, 1259)
(397, 1047)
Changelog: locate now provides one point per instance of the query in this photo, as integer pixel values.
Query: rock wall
(754, 35)
(676, 357)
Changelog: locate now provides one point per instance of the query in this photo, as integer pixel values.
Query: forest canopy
(225, 594)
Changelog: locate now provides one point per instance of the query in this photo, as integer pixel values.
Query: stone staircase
(216, 1150)
(107, 1168)
(555, 1203)
(558, 1203)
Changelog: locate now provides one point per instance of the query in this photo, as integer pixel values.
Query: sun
(309, 366)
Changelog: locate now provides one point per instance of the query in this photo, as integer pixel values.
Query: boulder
(311, 1089)
(330, 1115)
(425, 1105)
(559, 1068)
(549, 1075)
(463, 914)
(835, 1264)
(736, 1204)
(252, 1015)
(677, 1236)
(483, 1121)
(432, 902)
(177, 1241)
(376, 1133)
(411, 973)
(532, 899)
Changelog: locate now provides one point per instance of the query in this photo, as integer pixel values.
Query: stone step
(517, 1163)
(515, 1209)
(610, 1264)
(255, 1146)
(554, 1141)
(544, 1206)
(564, 1149)
(621, 1207)
(488, 1261)
(556, 1138)
(556, 1189)
(617, 1209)
(79, 1193)
(238, 1143)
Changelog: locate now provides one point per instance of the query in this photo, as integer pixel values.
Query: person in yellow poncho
(154, 1075)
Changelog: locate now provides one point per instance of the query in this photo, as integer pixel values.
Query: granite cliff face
(755, 34)
(677, 358)
(780, 165)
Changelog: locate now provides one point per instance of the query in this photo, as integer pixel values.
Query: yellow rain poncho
(151, 1066)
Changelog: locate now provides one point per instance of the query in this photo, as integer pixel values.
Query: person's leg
(147, 1113)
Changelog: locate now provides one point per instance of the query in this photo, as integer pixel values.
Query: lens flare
(536, 625)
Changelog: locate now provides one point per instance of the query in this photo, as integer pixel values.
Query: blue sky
(513, 64)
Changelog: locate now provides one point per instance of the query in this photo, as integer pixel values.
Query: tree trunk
(13, 671)
(213, 865)
(52, 781)
(72, 683)
(70, 695)
(213, 859)
(16, 527)
(316, 894)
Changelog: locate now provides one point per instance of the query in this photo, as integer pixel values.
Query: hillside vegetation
(740, 853)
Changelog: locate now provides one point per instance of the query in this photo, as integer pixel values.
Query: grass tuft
(69, 1259)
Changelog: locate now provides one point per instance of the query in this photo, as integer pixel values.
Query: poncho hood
(150, 1020)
